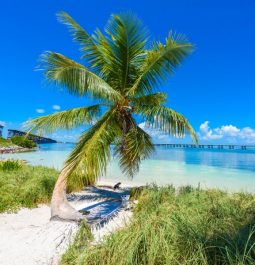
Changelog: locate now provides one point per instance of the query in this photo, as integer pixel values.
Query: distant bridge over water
(36, 138)
(209, 146)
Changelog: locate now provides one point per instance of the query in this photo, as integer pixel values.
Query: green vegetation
(193, 227)
(23, 142)
(5, 142)
(122, 71)
(82, 241)
(17, 140)
(10, 164)
(24, 186)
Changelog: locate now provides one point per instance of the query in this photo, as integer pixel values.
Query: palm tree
(122, 71)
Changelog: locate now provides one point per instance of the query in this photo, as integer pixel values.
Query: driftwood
(114, 187)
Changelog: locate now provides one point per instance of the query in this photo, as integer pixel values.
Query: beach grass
(185, 227)
(24, 185)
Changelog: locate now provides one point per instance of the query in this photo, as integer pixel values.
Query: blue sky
(214, 87)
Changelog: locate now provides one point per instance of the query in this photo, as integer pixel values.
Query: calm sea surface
(232, 170)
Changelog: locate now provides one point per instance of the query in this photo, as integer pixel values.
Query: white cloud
(226, 133)
(206, 133)
(56, 107)
(40, 110)
(228, 130)
(157, 135)
(3, 123)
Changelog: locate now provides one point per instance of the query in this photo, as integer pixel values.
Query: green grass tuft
(10, 164)
(25, 186)
(184, 227)
(81, 242)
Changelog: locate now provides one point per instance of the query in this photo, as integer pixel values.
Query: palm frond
(75, 77)
(138, 146)
(91, 155)
(167, 120)
(95, 48)
(67, 119)
(155, 99)
(161, 62)
(105, 66)
(127, 39)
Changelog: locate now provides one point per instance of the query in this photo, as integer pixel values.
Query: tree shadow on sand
(107, 203)
(94, 194)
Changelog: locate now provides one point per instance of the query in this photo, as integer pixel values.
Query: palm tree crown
(122, 70)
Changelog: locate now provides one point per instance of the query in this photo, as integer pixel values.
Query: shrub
(10, 164)
(23, 142)
(4, 142)
(26, 187)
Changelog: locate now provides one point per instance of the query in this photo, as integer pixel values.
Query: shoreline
(15, 149)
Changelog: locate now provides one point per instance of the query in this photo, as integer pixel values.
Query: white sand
(29, 238)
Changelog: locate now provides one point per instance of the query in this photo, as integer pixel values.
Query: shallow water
(232, 170)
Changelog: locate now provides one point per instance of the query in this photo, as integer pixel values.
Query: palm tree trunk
(60, 207)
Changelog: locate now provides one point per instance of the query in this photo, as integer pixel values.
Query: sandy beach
(29, 238)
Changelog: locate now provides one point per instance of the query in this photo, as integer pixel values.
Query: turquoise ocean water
(232, 170)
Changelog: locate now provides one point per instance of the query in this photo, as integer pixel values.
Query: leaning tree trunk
(60, 207)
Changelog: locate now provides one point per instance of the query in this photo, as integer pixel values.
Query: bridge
(209, 146)
(1, 130)
(36, 138)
